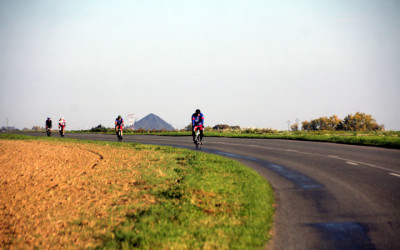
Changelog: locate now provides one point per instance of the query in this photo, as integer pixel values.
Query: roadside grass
(170, 198)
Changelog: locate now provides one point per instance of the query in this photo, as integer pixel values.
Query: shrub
(99, 128)
(221, 127)
(356, 122)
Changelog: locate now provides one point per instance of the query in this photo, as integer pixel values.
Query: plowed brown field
(62, 194)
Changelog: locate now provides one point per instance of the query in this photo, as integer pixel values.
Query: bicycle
(197, 138)
(48, 132)
(62, 130)
(119, 132)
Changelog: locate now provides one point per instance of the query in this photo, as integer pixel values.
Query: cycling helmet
(119, 117)
(48, 118)
(62, 117)
(197, 111)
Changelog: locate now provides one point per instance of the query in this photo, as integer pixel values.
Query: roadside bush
(361, 122)
(221, 127)
(357, 122)
(294, 127)
(258, 131)
(99, 128)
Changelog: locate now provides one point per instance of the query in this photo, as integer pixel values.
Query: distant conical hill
(153, 122)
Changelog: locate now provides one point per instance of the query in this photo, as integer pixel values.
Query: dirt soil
(59, 194)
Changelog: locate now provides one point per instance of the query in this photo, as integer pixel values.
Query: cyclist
(197, 123)
(119, 123)
(61, 125)
(49, 123)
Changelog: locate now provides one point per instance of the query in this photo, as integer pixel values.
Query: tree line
(357, 122)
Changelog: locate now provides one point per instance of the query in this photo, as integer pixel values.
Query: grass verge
(143, 196)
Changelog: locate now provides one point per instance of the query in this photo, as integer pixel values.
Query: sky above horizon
(247, 63)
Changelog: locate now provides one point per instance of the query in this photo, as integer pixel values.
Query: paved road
(329, 196)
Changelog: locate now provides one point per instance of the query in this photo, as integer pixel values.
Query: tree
(294, 127)
(334, 122)
(315, 124)
(360, 122)
(305, 125)
(357, 122)
(324, 123)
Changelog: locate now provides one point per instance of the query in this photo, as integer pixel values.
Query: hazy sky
(248, 63)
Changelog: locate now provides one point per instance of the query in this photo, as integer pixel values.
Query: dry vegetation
(47, 189)
(58, 193)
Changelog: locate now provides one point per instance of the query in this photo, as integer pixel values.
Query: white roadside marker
(397, 175)
(352, 163)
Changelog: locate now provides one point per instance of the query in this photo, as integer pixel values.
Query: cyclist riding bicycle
(49, 123)
(61, 125)
(197, 124)
(119, 123)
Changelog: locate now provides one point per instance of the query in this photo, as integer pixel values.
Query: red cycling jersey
(61, 123)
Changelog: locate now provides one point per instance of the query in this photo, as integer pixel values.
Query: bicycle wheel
(197, 140)
(119, 135)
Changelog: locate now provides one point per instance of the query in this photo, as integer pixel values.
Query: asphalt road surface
(329, 196)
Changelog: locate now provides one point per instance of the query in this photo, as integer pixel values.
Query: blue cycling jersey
(119, 122)
(197, 120)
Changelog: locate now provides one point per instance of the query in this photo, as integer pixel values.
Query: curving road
(329, 196)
